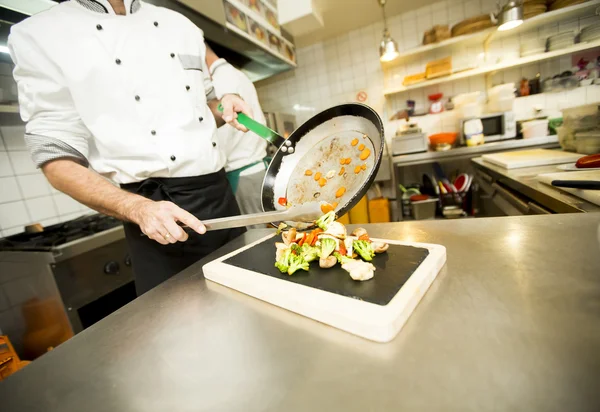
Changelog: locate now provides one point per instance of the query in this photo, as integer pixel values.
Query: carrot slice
(361, 147)
(342, 161)
(322, 182)
(302, 240)
(357, 169)
(317, 176)
(308, 173)
(364, 166)
(354, 142)
(364, 154)
(326, 208)
(342, 171)
(340, 192)
(348, 160)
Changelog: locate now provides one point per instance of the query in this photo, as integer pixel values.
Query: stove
(59, 234)
(81, 268)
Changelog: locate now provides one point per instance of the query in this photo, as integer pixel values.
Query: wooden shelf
(572, 12)
(265, 47)
(496, 67)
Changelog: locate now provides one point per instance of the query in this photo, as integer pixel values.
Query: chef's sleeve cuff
(44, 149)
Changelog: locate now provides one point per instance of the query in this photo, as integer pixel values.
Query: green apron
(234, 175)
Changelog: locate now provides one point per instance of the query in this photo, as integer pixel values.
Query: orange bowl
(441, 138)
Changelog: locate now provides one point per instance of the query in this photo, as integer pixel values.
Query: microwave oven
(496, 126)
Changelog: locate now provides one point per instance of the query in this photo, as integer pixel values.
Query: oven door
(95, 284)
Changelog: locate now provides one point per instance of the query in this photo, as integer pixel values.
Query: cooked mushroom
(327, 262)
(289, 236)
(336, 229)
(358, 232)
(380, 247)
(281, 248)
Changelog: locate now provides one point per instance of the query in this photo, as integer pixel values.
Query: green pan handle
(263, 131)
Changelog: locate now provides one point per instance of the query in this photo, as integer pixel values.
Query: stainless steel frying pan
(342, 145)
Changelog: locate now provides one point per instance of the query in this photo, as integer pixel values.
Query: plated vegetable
(330, 244)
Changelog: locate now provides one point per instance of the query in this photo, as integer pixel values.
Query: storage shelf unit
(565, 14)
(496, 67)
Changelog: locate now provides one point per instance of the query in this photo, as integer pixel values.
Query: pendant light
(510, 15)
(388, 48)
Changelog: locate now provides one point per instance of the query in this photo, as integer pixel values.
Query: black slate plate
(393, 270)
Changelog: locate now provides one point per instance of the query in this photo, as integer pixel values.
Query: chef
(120, 90)
(246, 152)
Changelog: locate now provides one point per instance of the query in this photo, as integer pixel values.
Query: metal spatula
(307, 212)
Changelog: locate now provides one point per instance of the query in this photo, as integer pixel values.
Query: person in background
(246, 152)
(120, 89)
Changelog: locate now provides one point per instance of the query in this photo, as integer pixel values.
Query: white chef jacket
(128, 94)
(242, 149)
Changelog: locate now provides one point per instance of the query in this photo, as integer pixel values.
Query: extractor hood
(256, 61)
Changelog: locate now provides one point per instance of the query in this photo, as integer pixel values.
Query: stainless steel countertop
(524, 181)
(470, 152)
(511, 323)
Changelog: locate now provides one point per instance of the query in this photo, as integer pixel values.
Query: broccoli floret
(364, 249)
(342, 259)
(297, 262)
(283, 264)
(327, 246)
(309, 253)
(324, 221)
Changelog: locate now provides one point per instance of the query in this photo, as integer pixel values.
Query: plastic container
(535, 128)
(424, 209)
(588, 142)
(379, 210)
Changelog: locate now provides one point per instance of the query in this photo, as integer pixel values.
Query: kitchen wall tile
(13, 214)
(5, 166)
(472, 7)
(9, 189)
(66, 204)
(33, 186)
(49, 222)
(13, 231)
(22, 163)
(14, 136)
(41, 208)
(71, 216)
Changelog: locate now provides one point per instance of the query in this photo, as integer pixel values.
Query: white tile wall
(350, 63)
(26, 197)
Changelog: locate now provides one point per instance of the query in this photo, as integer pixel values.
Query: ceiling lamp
(388, 48)
(510, 15)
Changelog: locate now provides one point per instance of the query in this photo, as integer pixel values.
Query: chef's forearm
(92, 190)
(213, 104)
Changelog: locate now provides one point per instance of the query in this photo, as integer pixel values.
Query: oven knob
(111, 268)
(127, 260)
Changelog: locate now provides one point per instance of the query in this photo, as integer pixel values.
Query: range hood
(257, 62)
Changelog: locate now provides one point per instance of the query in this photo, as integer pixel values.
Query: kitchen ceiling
(341, 16)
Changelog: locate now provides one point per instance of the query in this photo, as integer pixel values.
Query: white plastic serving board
(530, 158)
(368, 320)
(592, 196)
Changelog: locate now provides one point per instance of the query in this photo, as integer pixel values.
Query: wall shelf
(496, 67)
(565, 14)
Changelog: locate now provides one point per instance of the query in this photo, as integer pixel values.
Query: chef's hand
(158, 221)
(232, 105)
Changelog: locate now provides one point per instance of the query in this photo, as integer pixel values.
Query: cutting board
(375, 309)
(592, 196)
(530, 158)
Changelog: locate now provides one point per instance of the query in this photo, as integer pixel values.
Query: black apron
(206, 197)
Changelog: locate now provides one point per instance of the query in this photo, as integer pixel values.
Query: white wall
(25, 195)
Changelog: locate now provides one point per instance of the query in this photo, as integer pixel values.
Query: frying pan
(320, 145)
